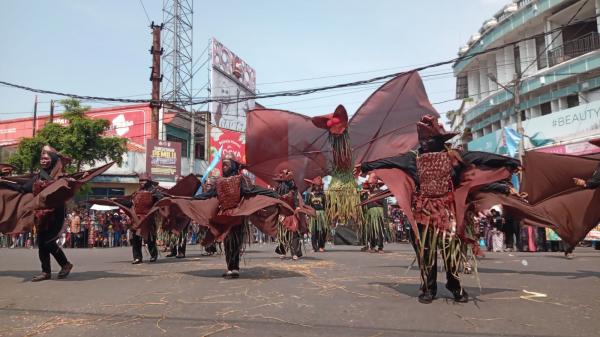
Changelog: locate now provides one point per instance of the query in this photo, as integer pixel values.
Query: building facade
(551, 50)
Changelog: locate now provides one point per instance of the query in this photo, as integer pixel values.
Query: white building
(556, 57)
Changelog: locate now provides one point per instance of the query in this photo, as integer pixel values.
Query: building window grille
(540, 50)
(546, 108)
(517, 54)
(462, 87)
(572, 101)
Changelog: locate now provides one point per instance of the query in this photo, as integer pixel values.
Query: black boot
(460, 295)
(65, 270)
(426, 297)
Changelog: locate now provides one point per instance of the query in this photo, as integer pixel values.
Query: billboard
(132, 122)
(231, 78)
(163, 160)
(232, 142)
(579, 122)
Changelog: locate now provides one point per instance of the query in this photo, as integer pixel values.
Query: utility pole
(207, 136)
(155, 77)
(35, 115)
(517, 107)
(51, 111)
(516, 82)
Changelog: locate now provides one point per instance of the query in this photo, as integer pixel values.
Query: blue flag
(213, 163)
(513, 139)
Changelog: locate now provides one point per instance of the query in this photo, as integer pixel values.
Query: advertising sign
(132, 122)
(163, 160)
(577, 122)
(232, 142)
(231, 79)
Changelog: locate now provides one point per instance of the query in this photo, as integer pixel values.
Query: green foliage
(82, 140)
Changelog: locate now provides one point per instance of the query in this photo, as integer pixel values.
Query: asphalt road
(342, 292)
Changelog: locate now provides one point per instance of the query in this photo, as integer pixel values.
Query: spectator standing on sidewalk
(75, 225)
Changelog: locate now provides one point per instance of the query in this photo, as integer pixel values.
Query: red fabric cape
(262, 211)
(383, 126)
(554, 199)
(17, 209)
(186, 187)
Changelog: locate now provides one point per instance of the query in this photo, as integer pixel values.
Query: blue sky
(100, 48)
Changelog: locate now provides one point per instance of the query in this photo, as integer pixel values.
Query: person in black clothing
(49, 222)
(143, 200)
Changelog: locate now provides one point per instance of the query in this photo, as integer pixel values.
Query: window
(184, 146)
(462, 87)
(517, 54)
(546, 108)
(540, 51)
(106, 192)
(523, 115)
(572, 101)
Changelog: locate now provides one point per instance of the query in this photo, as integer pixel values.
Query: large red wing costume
(17, 208)
(556, 202)
(383, 126)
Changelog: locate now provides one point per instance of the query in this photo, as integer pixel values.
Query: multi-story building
(551, 48)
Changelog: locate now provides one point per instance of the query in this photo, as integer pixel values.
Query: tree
(82, 140)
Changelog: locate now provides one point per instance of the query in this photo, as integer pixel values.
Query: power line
(145, 12)
(298, 92)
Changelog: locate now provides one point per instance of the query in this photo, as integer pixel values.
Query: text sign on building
(231, 80)
(163, 159)
(578, 122)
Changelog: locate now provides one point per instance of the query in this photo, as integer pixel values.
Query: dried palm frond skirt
(319, 223)
(374, 224)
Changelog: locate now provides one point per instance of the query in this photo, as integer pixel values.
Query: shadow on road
(570, 275)
(412, 290)
(254, 273)
(27, 275)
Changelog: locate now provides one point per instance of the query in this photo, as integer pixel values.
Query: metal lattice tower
(177, 57)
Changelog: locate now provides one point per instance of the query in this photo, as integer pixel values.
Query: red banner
(232, 142)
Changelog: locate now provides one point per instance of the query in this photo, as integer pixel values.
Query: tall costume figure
(374, 223)
(319, 224)
(432, 187)
(384, 125)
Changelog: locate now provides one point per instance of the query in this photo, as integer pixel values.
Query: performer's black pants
(429, 266)
(47, 246)
(136, 247)
(294, 242)
(233, 247)
(318, 239)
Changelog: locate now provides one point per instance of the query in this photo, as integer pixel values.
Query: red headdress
(429, 128)
(336, 122)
